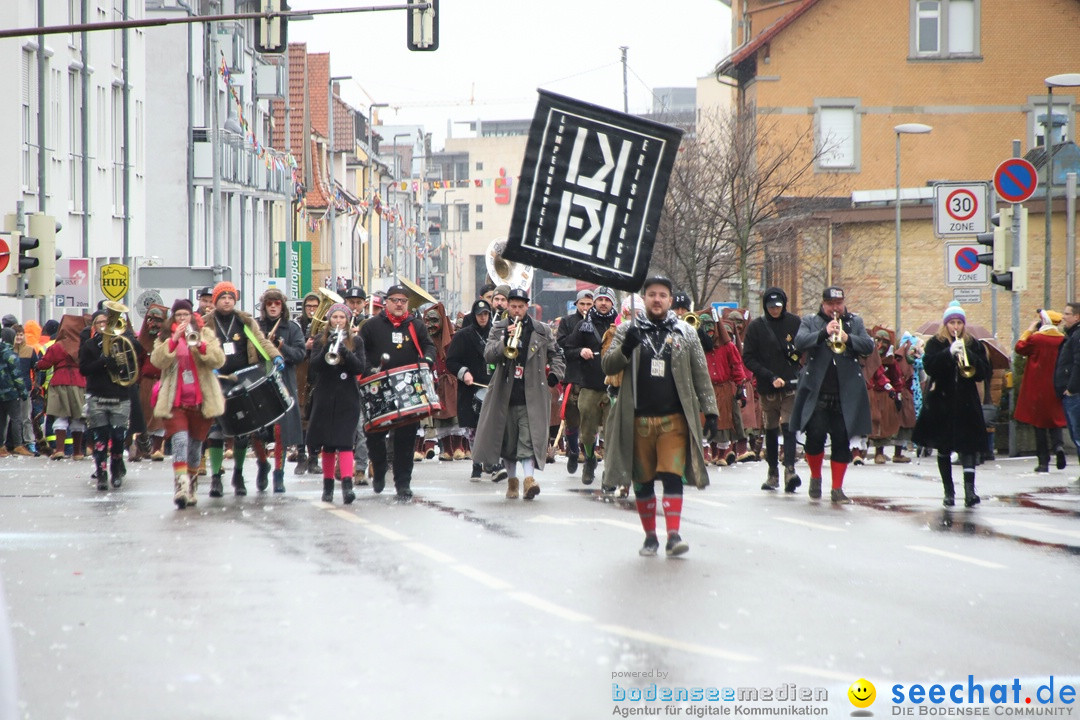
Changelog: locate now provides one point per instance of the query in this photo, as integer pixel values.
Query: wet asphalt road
(465, 605)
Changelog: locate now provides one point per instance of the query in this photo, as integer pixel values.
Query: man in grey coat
(514, 420)
(654, 428)
(831, 399)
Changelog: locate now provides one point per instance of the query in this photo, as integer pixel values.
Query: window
(479, 208)
(29, 121)
(1062, 124)
(944, 28)
(479, 165)
(75, 139)
(837, 135)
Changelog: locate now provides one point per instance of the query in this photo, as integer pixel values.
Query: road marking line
(712, 503)
(676, 644)
(818, 672)
(636, 527)
(1038, 526)
(549, 607)
(956, 556)
(430, 552)
(807, 523)
(387, 533)
(348, 516)
(482, 577)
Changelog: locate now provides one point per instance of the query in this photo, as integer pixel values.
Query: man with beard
(288, 338)
(583, 344)
(513, 424)
(465, 360)
(405, 341)
(656, 431)
(244, 345)
(769, 353)
(571, 418)
(499, 302)
(831, 399)
(151, 442)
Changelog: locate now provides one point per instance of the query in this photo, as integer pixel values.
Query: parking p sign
(960, 208)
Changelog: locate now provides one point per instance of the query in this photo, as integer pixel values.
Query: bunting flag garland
(273, 159)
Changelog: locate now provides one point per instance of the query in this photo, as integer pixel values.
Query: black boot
(314, 464)
(262, 477)
(117, 470)
(1042, 450)
(301, 462)
(279, 481)
(347, 494)
(378, 480)
(239, 489)
(945, 470)
(102, 475)
(328, 490)
(970, 498)
(216, 489)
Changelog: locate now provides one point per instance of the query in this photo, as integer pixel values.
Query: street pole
(332, 211)
(1062, 80)
(1070, 237)
(903, 129)
(371, 184)
(1017, 208)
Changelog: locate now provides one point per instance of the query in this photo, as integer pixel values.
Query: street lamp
(371, 184)
(330, 154)
(903, 129)
(1063, 80)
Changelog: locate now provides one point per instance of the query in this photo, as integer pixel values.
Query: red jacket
(66, 368)
(1037, 404)
(725, 364)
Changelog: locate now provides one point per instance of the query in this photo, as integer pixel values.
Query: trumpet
(692, 320)
(837, 345)
(513, 342)
(192, 335)
(967, 370)
(333, 353)
(118, 346)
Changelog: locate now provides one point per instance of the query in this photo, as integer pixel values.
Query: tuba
(326, 299)
(118, 346)
(837, 345)
(502, 271)
(967, 370)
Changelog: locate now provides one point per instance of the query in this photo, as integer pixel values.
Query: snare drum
(398, 396)
(254, 403)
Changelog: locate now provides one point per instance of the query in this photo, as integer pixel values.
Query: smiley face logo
(862, 693)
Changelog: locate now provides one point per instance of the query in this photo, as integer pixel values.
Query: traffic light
(999, 241)
(41, 275)
(423, 26)
(272, 35)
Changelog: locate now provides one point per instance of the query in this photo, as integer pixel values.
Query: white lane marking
(813, 525)
(1038, 526)
(818, 672)
(956, 556)
(387, 533)
(712, 503)
(481, 577)
(430, 552)
(676, 644)
(347, 516)
(549, 607)
(636, 527)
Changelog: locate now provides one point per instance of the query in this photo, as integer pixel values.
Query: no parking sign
(962, 268)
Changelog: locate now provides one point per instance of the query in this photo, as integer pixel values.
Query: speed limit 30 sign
(961, 208)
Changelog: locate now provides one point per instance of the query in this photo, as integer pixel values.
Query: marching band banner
(591, 190)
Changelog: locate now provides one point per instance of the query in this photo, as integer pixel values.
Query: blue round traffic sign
(1015, 180)
(967, 259)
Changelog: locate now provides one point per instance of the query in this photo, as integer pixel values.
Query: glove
(957, 346)
(631, 340)
(712, 425)
(279, 363)
(552, 379)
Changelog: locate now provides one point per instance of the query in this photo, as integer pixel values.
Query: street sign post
(960, 208)
(1015, 180)
(962, 267)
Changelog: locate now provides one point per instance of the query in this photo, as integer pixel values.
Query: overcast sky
(494, 54)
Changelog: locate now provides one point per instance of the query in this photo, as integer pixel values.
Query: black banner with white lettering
(592, 188)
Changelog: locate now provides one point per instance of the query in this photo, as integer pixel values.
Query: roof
(749, 49)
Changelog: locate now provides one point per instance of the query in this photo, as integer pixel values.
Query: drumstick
(476, 384)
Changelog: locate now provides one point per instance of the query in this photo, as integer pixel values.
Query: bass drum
(478, 399)
(254, 402)
(399, 396)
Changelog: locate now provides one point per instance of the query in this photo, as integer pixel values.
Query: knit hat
(584, 293)
(503, 290)
(954, 312)
(8, 335)
(604, 292)
(224, 287)
(50, 328)
(9, 320)
(181, 304)
(339, 307)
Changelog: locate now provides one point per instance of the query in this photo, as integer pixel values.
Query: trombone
(967, 370)
(837, 345)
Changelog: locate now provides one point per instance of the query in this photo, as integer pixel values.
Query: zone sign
(961, 208)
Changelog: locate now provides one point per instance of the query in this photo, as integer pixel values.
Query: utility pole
(625, 95)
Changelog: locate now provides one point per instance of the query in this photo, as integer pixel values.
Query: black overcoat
(335, 400)
(466, 352)
(952, 417)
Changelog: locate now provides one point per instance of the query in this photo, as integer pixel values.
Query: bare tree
(722, 215)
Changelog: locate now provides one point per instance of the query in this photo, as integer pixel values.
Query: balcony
(241, 166)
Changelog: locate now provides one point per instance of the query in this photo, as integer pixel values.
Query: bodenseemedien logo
(862, 695)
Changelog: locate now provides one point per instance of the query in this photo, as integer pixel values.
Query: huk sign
(115, 280)
(592, 187)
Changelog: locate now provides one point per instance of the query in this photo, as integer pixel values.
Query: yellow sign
(115, 279)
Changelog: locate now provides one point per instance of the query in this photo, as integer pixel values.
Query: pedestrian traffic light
(272, 33)
(423, 26)
(41, 276)
(1000, 256)
(1020, 272)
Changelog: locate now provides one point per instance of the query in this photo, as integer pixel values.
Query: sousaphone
(504, 272)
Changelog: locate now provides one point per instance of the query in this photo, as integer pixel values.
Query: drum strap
(415, 339)
(258, 345)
